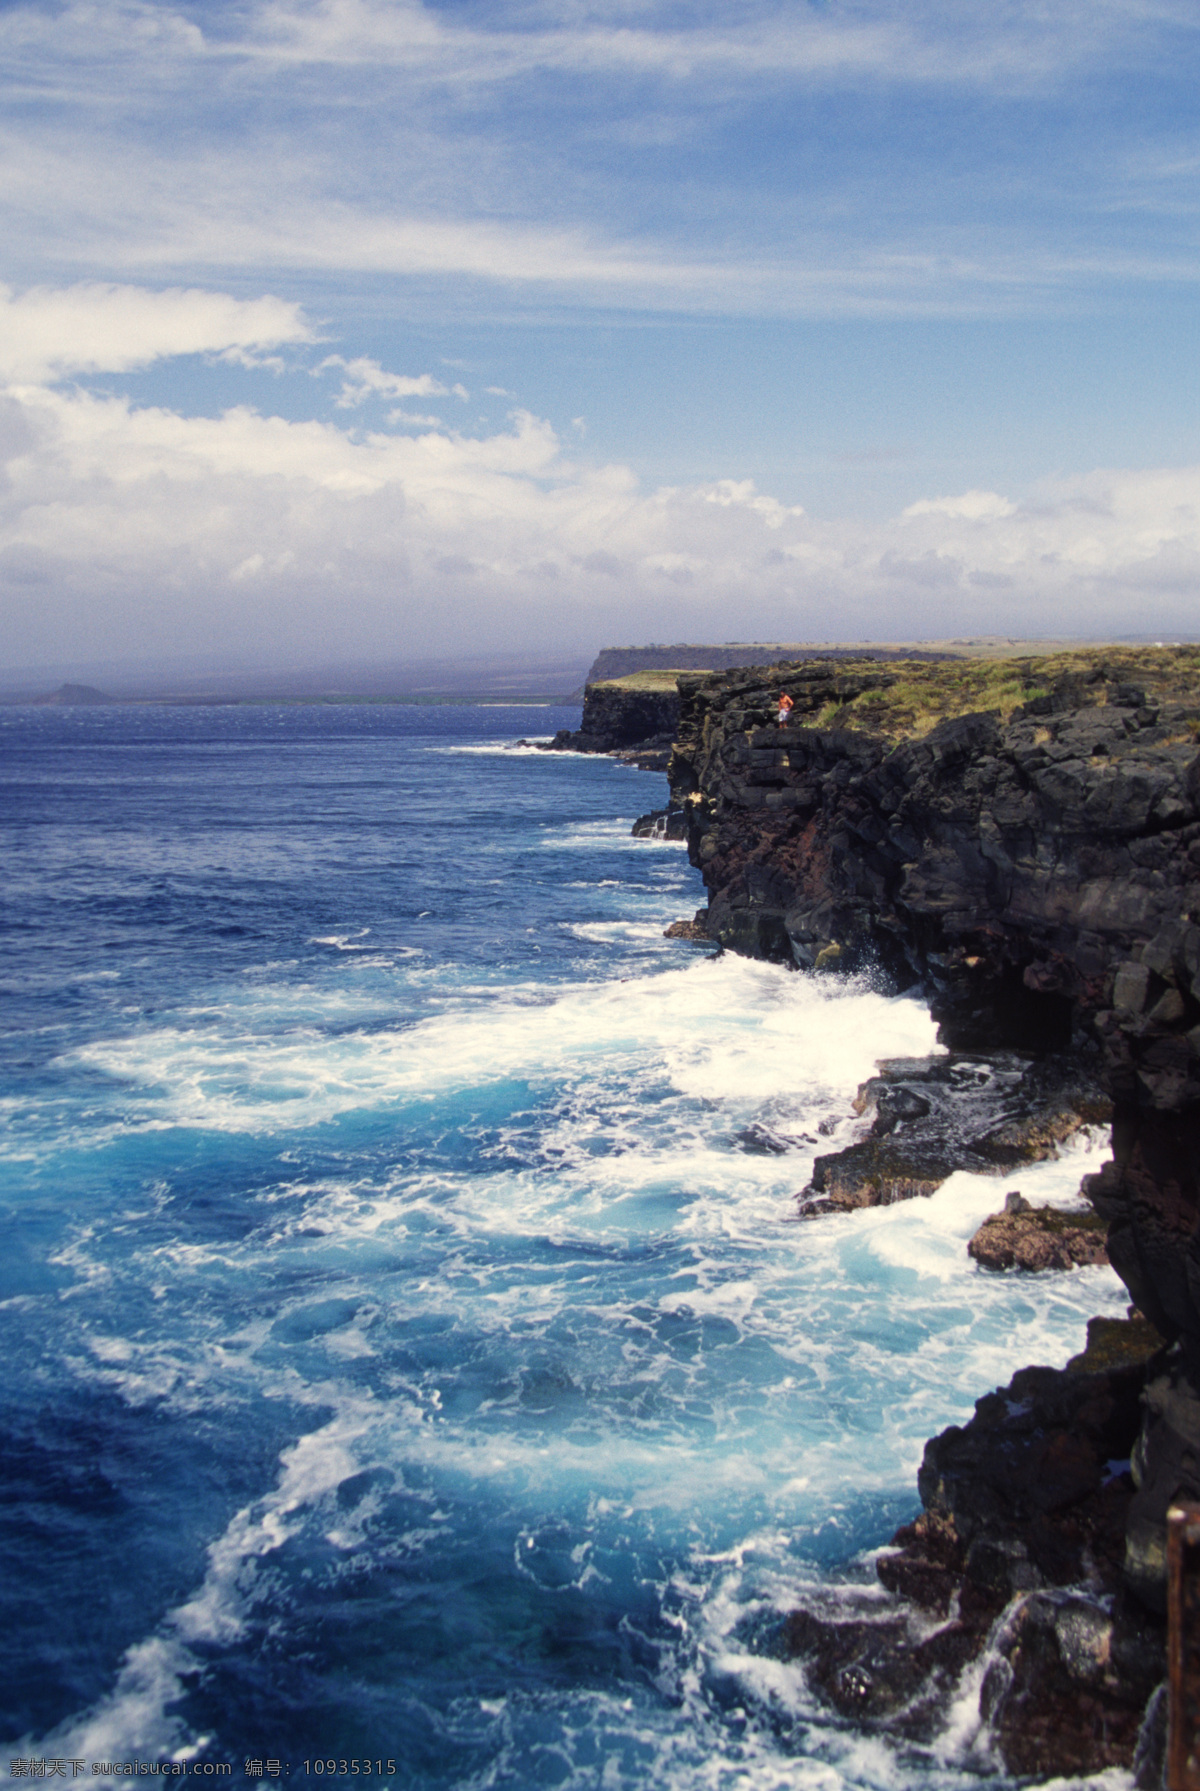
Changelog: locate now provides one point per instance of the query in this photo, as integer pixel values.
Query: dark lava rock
(1041, 1237)
(876, 1173)
(1067, 1689)
(934, 1115)
(1037, 875)
(764, 1141)
(1033, 1467)
(695, 930)
(1018, 1558)
(876, 1665)
(662, 824)
(1166, 1468)
(632, 722)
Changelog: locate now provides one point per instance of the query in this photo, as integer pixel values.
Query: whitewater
(410, 1369)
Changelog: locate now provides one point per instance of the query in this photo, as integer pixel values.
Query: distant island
(81, 694)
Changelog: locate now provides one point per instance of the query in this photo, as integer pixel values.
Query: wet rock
(661, 824)
(1166, 1467)
(762, 1141)
(925, 1563)
(1016, 1561)
(1043, 1464)
(874, 1173)
(1117, 1343)
(1040, 1238)
(696, 930)
(932, 1116)
(862, 1664)
(1067, 1687)
(1035, 1464)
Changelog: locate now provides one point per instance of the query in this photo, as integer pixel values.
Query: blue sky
(347, 326)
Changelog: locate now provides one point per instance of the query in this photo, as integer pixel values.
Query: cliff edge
(1021, 840)
(635, 717)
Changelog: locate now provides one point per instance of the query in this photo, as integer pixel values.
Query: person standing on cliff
(786, 706)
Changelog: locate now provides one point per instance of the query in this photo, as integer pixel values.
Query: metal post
(1183, 1646)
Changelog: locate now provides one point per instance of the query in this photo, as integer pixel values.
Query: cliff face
(1039, 875)
(1011, 867)
(637, 718)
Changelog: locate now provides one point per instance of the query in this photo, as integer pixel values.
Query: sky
(333, 329)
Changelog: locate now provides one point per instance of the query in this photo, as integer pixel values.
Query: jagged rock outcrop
(930, 1116)
(1024, 845)
(1010, 867)
(661, 824)
(1039, 876)
(695, 931)
(1017, 1561)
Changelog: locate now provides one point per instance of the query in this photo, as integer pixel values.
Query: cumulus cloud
(267, 534)
(48, 333)
(143, 529)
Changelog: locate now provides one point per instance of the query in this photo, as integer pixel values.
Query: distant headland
(481, 677)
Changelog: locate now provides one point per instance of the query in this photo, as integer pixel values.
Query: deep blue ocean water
(404, 1359)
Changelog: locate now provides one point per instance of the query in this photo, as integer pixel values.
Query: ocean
(411, 1372)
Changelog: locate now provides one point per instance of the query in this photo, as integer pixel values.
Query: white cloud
(54, 333)
(925, 41)
(145, 530)
(972, 506)
(365, 378)
(383, 136)
(728, 492)
(141, 529)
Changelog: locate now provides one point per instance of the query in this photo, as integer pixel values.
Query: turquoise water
(405, 1361)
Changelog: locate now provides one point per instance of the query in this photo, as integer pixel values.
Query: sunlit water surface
(404, 1359)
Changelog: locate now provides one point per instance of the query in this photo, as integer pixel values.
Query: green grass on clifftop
(914, 696)
(657, 679)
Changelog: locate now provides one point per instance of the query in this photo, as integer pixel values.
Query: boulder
(1036, 1238)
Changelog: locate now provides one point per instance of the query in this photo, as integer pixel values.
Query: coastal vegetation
(905, 699)
(912, 697)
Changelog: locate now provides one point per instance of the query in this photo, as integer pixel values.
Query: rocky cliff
(635, 717)
(1022, 841)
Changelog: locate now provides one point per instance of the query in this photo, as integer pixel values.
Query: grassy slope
(920, 695)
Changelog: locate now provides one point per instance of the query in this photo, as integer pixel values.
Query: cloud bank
(128, 529)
